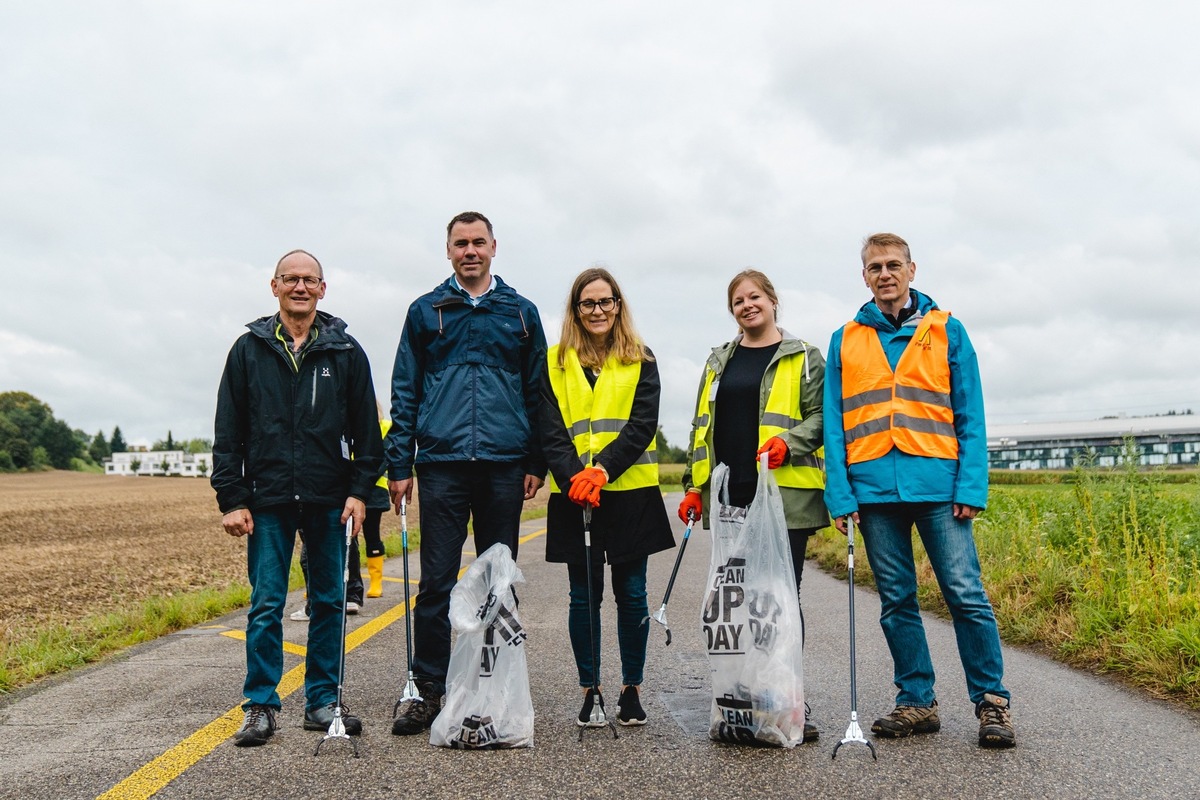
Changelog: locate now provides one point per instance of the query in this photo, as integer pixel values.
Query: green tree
(117, 443)
(60, 443)
(668, 454)
(201, 467)
(135, 465)
(170, 441)
(99, 449)
(194, 446)
(21, 453)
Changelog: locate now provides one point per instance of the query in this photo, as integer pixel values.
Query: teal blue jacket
(898, 477)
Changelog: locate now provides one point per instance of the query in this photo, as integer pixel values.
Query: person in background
(464, 405)
(598, 424)
(294, 405)
(907, 446)
(761, 393)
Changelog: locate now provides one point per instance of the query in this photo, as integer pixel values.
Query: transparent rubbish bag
(750, 617)
(487, 704)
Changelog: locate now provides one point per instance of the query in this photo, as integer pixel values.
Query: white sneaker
(299, 615)
(352, 607)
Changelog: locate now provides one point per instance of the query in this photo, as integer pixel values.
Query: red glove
(586, 485)
(693, 502)
(776, 450)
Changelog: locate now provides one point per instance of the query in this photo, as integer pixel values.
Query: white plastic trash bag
(751, 621)
(487, 704)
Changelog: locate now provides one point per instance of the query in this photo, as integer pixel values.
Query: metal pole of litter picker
(854, 734)
(660, 616)
(598, 719)
(337, 727)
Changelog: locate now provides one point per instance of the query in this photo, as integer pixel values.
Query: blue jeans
(269, 557)
(488, 494)
(887, 534)
(629, 590)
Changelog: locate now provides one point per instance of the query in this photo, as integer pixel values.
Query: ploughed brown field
(74, 544)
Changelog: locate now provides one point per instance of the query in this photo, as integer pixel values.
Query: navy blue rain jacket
(466, 381)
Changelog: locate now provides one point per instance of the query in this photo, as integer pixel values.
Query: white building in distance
(160, 462)
(1166, 441)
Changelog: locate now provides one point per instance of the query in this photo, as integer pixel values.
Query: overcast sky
(1042, 159)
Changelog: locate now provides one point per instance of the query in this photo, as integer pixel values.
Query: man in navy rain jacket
(464, 404)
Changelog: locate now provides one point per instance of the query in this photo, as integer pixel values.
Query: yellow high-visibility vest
(384, 425)
(594, 417)
(909, 409)
(781, 413)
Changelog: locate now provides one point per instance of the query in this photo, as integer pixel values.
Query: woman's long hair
(623, 340)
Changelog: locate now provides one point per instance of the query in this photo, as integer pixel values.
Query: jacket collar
(871, 316)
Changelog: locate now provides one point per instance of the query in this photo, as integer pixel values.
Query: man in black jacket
(296, 402)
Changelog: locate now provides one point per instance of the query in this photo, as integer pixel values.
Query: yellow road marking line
(148, 779)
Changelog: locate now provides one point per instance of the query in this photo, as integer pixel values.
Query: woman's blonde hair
(623, 341)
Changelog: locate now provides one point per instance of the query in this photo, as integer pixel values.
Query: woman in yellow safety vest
(598, 422)
(761, 393)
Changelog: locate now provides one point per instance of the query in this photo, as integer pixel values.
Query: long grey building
(1161, 441)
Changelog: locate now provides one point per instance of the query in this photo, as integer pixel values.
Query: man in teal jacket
(905, 445)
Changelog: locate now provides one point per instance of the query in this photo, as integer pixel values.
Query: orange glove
(776, 450)
(693, 502)
(586, 485)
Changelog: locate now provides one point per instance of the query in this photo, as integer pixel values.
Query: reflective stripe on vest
(595, 416)
(782, 413)
(910, 408)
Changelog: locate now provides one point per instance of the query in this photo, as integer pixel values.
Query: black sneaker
(584, 720)
(319, 719)
(995, 722)
(415, 716)
(811, 734)
(629, 707)
(908, 720)
(257, 727)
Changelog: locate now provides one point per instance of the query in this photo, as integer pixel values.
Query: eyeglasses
(893, 267)
(605, 304)
(310, 281)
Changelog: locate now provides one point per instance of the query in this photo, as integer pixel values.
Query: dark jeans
(489, 495)
(269, 558)
(629, 591)
(354, 586)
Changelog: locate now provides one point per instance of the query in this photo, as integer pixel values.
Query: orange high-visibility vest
(910, 408)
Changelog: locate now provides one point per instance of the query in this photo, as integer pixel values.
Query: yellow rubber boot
(375, 571)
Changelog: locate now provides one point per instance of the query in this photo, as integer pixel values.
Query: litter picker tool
(337, 727)
(598, 718)
(410, 689)
(660, 616)
(854, 734)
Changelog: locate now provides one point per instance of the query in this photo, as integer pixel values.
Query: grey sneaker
(257, 727)
(415, 716)
(995, 722)
(908, 720)
(299, 615)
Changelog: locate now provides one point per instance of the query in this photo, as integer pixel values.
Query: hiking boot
(319, 719)
(584, 720)
(811, 734)
(908, 720)
(257, 727)
(995, 722)
(629, 707)
(415, 716)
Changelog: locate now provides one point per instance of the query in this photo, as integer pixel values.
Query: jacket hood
(870, 314)
(790, 344)
(332, 329)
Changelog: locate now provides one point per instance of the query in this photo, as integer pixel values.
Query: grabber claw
(337, 730)
(854, 735)
(660, 617)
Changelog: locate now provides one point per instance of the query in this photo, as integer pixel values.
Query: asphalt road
(157, 721)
